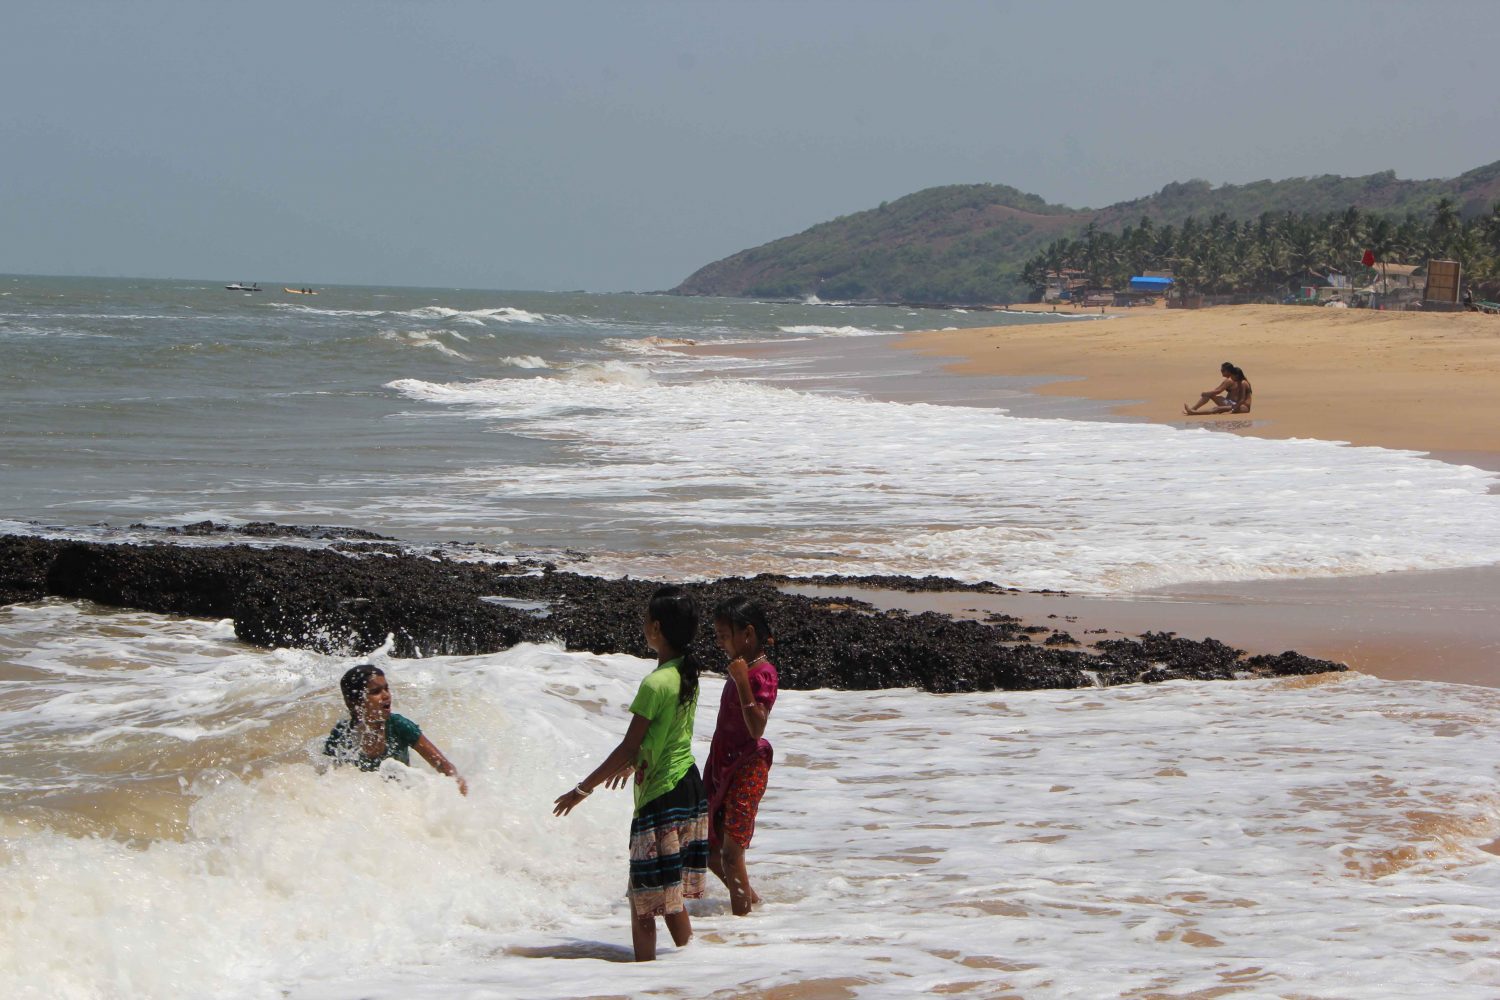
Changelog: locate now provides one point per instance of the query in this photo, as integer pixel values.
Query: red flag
(1368, 260)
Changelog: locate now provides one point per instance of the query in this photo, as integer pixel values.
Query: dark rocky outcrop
(349, 602)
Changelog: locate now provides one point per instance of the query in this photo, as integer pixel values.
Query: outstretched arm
(432, 755)
(621, 756)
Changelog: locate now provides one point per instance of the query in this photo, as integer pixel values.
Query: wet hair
(1226, 368)
(740, 611)
(1237, 373)
(676, 612)
(355, 682)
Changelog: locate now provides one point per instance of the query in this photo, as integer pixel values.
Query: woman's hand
(620, 778)
(565, 802)
(739, 672)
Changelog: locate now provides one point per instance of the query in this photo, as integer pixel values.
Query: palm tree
(1305, 253)
(1490, 226)
(1444, 228)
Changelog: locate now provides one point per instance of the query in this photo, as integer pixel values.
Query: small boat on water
(242, 287)
(299, 291)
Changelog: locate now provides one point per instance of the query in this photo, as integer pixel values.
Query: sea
(167, 828)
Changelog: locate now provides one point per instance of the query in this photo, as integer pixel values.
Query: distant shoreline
(1405, 380)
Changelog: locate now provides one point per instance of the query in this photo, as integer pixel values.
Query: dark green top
(401, 734)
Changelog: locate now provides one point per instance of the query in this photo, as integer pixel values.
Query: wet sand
(1439, 626)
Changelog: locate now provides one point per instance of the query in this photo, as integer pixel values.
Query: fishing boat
(299, 291)
(241, 287)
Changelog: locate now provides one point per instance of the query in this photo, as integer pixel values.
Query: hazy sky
(619, 145)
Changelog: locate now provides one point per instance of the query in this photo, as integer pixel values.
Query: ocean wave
(835, 331)
(523, 361)
(977, 494)
(472, 317)
(502, 314)
(297, 307)
(1251, 824)
(423, 339)
(36, 332)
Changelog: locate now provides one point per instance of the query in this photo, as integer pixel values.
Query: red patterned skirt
(736, 817)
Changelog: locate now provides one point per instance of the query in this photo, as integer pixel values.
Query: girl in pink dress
(739, 759)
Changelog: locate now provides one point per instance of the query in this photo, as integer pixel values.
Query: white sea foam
(976, 494)
(473, 317)
(296, 307)
(424, 339)
(502, 314)
(22, 330)
(606, 373)
(835, 331)
(1273, 837)
(523, 361)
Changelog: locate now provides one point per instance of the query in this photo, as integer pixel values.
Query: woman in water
(669, 832)
(372, 733)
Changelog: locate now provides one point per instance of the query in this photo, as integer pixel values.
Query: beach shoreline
(1404, 381)
(1401, 380)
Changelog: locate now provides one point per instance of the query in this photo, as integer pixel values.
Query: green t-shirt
(667, 751)
(400, 734)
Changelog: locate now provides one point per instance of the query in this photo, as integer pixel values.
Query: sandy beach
(1393, 380)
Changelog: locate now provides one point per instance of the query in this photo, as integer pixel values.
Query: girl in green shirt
(669, 833)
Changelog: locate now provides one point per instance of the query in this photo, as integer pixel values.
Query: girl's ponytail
(675, 611)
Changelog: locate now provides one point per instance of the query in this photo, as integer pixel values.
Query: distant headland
(988, 243)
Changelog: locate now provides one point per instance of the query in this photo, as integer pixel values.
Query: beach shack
(1063, 285)
(1397, 286)
(1151, 284)
(1144, 289)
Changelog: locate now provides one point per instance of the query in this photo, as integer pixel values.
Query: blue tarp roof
(1140, 284)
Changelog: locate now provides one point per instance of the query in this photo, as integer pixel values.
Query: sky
(613, 146)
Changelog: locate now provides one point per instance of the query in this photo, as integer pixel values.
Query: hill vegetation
(1274, 254)
(971, 243)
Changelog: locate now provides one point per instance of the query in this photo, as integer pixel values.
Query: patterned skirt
(669, 849)
(735, 819)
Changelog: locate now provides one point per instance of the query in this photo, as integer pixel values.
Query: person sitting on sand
(372, 733)
(1232, 395)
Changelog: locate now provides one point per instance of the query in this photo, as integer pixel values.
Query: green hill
(966, 243)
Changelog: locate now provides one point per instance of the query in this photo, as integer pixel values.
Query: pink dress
(733, 746)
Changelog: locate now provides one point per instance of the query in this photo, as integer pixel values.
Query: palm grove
(1277, 253)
